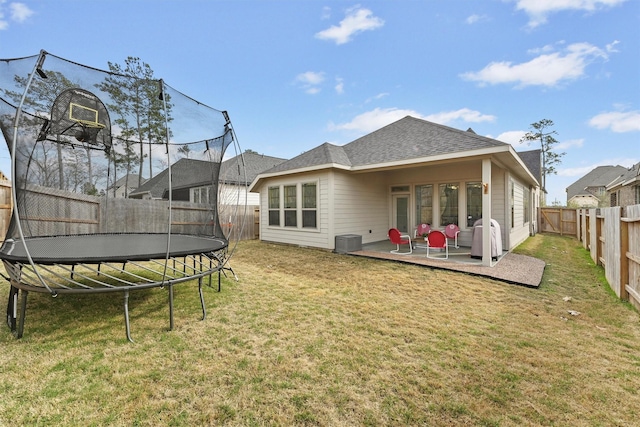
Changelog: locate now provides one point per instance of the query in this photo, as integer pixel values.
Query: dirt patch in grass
(310, 337)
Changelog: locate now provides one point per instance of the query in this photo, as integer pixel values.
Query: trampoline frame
(67, 276)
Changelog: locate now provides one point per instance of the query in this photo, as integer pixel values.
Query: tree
(542, 133)
(41, 96)
(141, 113)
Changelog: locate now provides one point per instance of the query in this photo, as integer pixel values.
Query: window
(474, 202)
(296, 204)
(200, 194)
(309, 205)
(400, 189)
(448, 204)
(525, 202)
(512, 202)
(274, 205)
(290, 205)
(424, 204)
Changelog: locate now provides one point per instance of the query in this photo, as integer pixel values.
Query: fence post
(624, 260)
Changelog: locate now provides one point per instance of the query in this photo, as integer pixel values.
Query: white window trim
(299, 209)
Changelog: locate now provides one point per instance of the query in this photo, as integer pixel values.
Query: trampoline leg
(15, 316)
(219, 281)
(126, 315)
(204, 308)
(171, 307)
(23, 312)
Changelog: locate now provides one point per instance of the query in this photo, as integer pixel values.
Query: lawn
(309, 337)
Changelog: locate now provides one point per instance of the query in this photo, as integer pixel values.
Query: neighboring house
(192, 180)
(409, 172)
(625, 190)
(231, 178)
(189, 176)
(590, 190)
(124, 186)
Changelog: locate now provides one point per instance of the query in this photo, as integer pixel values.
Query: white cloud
(538, 10)
(20, 12)
(356, 20)
(378, 96)
(380, 117)
(373, 120)
(472, 19)
(617, 121)
(583, 170)
(326, 12)
(548, 69)
(513, 137)
(339, 87)
(463, 114)
(310, 81)
(569, 143)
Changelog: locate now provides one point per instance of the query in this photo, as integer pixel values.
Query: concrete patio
(510, 268)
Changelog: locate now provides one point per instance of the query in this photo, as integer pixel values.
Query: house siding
(519, 230)
(361, 206)
(318, 237)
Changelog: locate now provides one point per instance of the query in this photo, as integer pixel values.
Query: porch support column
(486, 212)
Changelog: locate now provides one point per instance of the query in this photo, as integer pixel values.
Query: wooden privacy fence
(562, 221)
(5, 206)
(612, 236)
(62, 212)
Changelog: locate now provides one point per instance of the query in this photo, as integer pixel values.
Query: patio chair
(398, 239)
(452, 231)
(437, 240)
(421, 230)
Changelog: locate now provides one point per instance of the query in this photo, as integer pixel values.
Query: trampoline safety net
(111, 167)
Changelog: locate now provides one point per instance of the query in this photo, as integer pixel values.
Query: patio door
(401, 212)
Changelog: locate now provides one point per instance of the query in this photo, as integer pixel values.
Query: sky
(294, 74)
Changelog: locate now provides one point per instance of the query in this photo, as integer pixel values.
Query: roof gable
(186, 173)
(601, 176)
(254, 164)
(533, 161)
(411, 138)
(406, 139)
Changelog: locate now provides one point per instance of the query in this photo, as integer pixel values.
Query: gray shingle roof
(406, 139)
(601, 176)
(628, 177)
(189, 173)
(254, 164)
(533, 161)
(186, 173)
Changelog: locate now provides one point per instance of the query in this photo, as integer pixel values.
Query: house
(404, 174)
(191, 179)
(235, 184)
(125, 185)
(590, 190)
(625, 189)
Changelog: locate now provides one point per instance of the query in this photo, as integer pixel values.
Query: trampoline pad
(97, 248)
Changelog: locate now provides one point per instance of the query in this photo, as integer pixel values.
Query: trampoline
(116, 184)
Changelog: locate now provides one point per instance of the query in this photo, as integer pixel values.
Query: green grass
(308, 337)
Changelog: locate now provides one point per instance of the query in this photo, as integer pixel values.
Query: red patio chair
(398, 239)
(452, 231)
(422, 230)
(437, 240)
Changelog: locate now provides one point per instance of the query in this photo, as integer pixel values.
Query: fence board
(57, 212)
(562, 221)
(612, 236)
